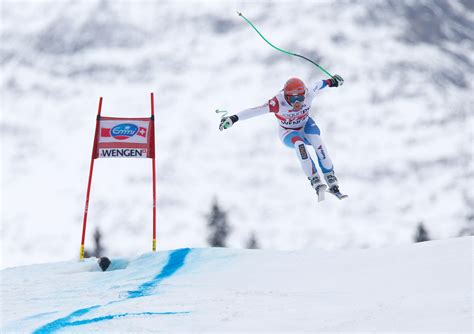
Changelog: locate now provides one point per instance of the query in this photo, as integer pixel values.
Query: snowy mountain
(426, 287)
(399, 131)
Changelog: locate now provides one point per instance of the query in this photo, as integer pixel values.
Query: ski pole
(281, 50)
(223, 112)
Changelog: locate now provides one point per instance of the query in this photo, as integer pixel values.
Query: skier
(291, 106)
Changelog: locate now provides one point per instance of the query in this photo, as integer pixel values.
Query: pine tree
(252, 242)
(98, 248)
(468, 229)
(421, 233)
(219, 228)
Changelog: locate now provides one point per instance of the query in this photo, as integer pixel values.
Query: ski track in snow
(175, 262)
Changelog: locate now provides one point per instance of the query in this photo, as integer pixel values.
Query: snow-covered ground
(425, 287)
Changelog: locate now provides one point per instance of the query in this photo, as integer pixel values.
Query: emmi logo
(122, 153)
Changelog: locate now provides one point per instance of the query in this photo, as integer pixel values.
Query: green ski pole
(281, 50)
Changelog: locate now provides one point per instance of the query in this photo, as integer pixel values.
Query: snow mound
(420, 287)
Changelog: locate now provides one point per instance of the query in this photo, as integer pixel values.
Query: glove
(227, 122)
(335, 81)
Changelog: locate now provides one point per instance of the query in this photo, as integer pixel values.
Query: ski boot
(333, 185)
(318, 186)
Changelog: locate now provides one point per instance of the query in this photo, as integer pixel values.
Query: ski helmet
(294, 86)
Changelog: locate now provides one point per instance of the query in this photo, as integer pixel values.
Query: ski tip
(338, 194)
(341, 196)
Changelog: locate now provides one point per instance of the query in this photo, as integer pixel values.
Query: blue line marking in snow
(65, 322)
(175, 262)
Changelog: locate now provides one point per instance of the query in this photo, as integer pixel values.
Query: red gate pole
(86, 209)
(154, 170)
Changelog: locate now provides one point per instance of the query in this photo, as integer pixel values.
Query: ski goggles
(295, 98)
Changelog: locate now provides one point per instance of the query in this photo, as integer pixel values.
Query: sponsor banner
(122, 153)
(124, 138)
(123, 131)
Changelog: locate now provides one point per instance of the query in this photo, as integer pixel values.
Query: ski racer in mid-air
(291, 106)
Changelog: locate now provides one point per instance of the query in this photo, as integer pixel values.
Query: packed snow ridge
(420, 287)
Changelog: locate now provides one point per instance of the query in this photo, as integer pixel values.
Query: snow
(400, 132)
(424, 287)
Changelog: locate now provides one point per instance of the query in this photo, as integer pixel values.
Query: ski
(338, 194)
(320, 191)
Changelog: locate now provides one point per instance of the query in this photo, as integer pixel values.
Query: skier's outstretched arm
(228, 121)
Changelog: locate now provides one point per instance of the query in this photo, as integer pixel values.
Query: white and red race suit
(297, 128)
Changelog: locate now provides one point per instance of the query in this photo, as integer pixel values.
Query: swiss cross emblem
(273, 105)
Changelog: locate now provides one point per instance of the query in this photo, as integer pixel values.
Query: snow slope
(425, 287)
